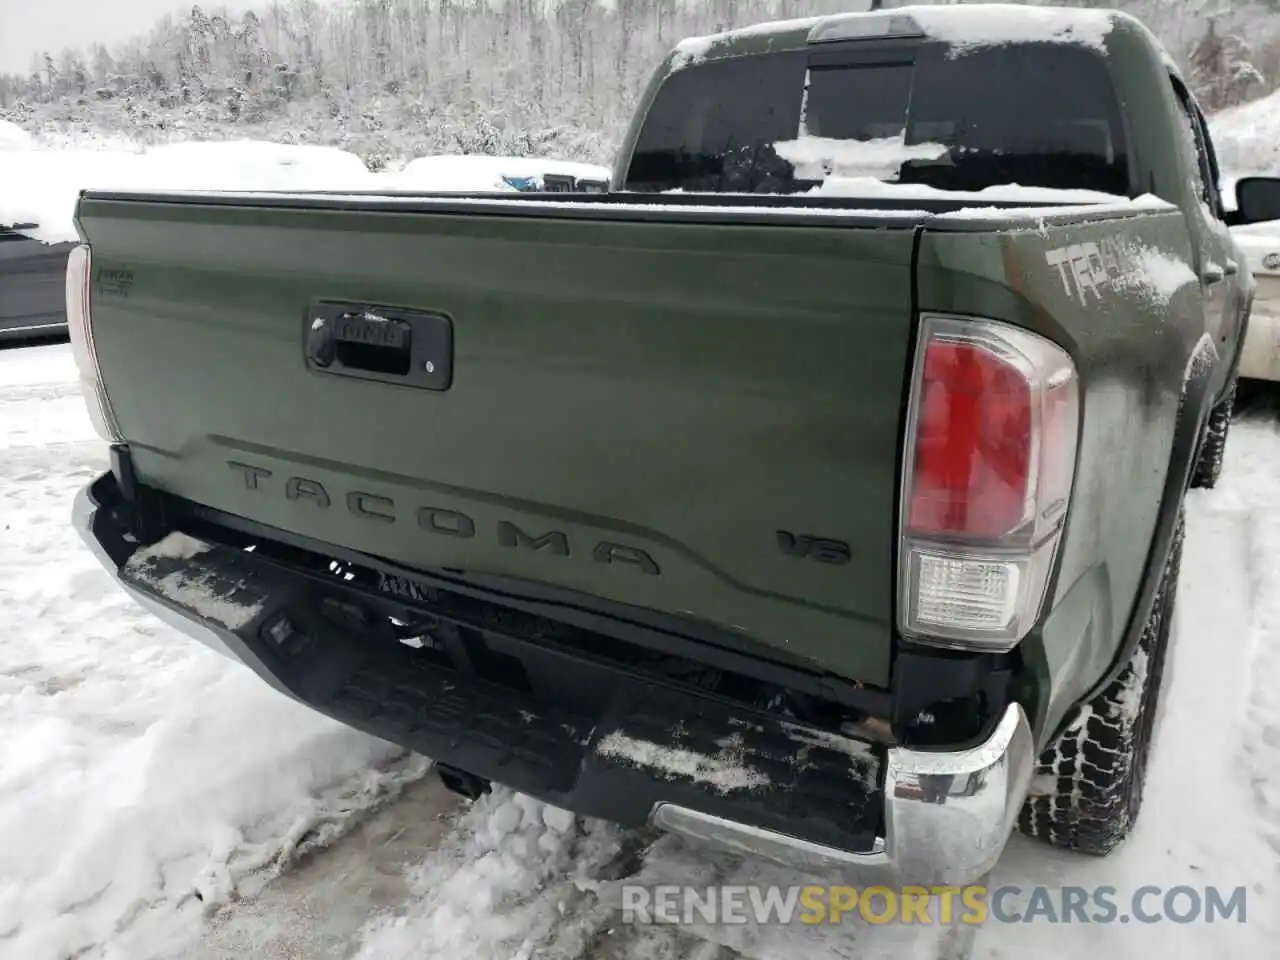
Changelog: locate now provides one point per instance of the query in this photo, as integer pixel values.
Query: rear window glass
(1038, 115)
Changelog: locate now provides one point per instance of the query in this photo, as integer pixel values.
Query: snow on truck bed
(1005, 202)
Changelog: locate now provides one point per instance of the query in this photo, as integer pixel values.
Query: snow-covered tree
(1221, 69)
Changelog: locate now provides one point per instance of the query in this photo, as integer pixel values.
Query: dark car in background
(32, 285)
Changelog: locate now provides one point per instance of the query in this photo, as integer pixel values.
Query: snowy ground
(158, 801)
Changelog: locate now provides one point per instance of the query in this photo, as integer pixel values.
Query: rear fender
(1194, 408)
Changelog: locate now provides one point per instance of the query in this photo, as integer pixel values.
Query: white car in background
(1260, 356)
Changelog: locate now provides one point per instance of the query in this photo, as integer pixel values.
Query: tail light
(990, 459)
(80, 327)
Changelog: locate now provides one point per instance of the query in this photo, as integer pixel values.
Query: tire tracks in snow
(520, 880)
(674, 861)
(428, 877)
(317, 903)
(516, 879)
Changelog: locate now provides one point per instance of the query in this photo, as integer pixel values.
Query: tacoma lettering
(449, 523)
(251, 474)
(372, 506)
(617, 553)
(509, 535)
(454, 523)
(300, 488)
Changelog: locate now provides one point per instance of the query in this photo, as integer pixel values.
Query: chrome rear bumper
(947, 816)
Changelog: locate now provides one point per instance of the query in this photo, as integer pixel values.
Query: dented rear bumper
(578, 731)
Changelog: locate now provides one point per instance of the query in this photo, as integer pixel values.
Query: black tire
(1087, 789)
(1209, 465)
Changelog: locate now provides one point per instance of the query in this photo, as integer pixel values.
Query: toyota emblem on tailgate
(1271, 261)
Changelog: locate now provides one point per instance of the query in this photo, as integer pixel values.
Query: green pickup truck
(815, 492)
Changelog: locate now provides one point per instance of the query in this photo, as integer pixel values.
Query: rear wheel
(1212, 451)
(1088, 786)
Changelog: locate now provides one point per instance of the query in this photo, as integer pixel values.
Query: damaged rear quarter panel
(1119, 293)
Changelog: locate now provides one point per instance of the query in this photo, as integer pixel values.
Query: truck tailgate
(696, 418)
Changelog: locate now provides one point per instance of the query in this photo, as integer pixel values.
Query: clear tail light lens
(991, 443)
(80, 328)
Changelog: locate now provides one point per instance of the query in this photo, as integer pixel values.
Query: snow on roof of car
(51, 180)
(236, 161)
(965, 27)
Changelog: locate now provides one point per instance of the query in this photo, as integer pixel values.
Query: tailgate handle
(362, 341)
(393, 345)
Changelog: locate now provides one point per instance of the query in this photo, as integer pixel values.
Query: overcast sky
(29, 27)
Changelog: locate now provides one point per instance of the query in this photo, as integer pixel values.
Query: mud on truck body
(815, 492)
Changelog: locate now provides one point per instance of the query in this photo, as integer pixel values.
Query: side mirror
(1257, 199)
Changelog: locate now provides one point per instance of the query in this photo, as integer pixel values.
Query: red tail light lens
(991, 443)
(973, 443)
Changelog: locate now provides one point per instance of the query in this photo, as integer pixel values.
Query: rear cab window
(1033, 114)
